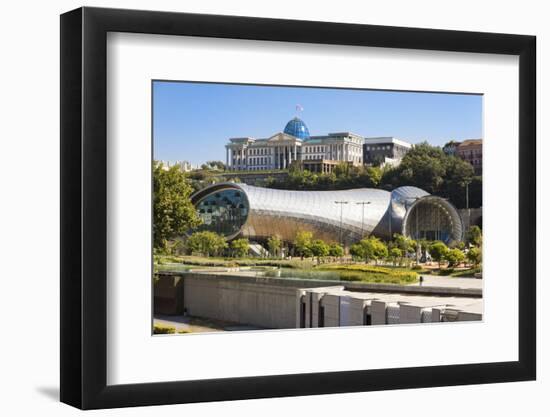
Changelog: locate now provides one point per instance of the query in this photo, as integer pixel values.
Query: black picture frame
(84, 207)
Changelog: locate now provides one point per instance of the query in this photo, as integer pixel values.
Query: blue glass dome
(297, 128)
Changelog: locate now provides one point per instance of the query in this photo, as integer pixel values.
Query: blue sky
(193, 121)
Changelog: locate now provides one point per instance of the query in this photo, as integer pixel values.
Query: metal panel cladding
(335, 216)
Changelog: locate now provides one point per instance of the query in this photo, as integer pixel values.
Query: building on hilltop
(384, 150)
(184, 166)
(294, 145)
(471, 151)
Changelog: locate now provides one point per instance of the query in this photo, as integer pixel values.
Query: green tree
(173, 213)
(474, 236)
(380, 249)
(319, 249)
(394, 254)
(405, 244)
(474, 256)
(240, 247)
(423, 245)
(302, 243)
(438, 251)
(430, 168)
(207, 243)
(344, 176)
(274, 243)
(455, 257)
(356, 250)
(335, 250)
(457, 244)
(369, 249)
(423, 166)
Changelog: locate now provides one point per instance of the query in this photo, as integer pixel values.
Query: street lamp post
(467, 183)
(363, 204)
(341, 213)
(467, 196)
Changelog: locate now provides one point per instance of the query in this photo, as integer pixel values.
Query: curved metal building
(346, 216)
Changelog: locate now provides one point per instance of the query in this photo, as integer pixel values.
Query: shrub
(240, 247)
(319, 249)
(370, 248)
(336, 250)
(275, 244)
(438, 251)
(474, 256)
(470, 273)
(302, 242)
(455, 257)
(397, 278)
(206, 243)
(394, 254)
(474, 236)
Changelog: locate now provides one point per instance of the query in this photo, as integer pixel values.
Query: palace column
(226, 158)
(289, 156)
(289, 159)
(295, 157)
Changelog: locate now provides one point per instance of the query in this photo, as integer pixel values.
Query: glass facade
(430, 221)
(223, 212)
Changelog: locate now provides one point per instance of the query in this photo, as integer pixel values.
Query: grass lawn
(369, 273)
(308, 268)
(465, 273)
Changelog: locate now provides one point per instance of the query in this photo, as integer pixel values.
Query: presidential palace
(315, 153)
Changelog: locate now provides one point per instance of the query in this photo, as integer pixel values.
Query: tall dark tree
(431, 169)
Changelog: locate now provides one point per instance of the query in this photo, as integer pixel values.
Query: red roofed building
(471, 151)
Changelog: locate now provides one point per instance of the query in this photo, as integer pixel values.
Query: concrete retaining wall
(239, 301)
(286, 303)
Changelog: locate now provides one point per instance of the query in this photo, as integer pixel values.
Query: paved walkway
(451, 282)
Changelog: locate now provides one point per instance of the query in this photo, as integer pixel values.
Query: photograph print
(294, 207)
